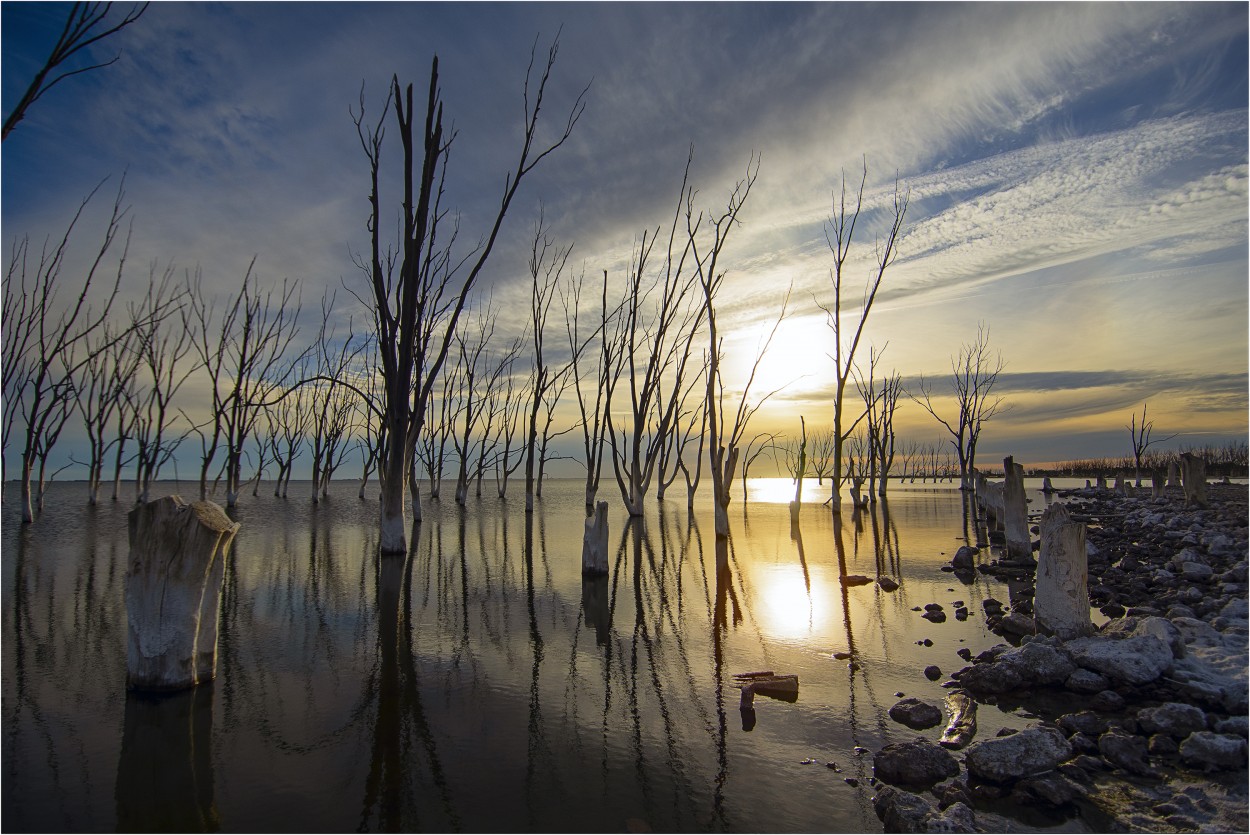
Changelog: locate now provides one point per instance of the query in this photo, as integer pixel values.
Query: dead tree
(245, 357)
(470, 369)
(87, 24)
(767, 446)
(164, 343)
(48, 340)
(494, 412)
(100, 393)
(415, 298)
(840, 237)
(879, 407)
(605, 371)
(1141, 440)
(974, 372)
(659, 318)
(331, 399)
(292, 416)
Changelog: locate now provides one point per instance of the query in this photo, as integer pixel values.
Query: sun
(796, 360)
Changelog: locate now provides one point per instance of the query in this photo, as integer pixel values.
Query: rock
(1211, 750)
(964, 558)
(1050, 788)
(951, 793)
(857, 580)
(964, 653)
(902, 811)
(1235, 725)
(1193, 632)
(916, 763)
(992, 678)
(1137, 660)
(1032, 751)
(1107, 701)
(916, 713)
(1172, 718)
(887, 584)
(933, 672)
(1126, 751)
(1085, 681)
(1039, 663)
(934, 616)
(1162, 745)
(1085, 722)
(1018, 624)
(957, 817)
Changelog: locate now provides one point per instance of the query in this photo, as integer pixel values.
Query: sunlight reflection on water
(355, 691)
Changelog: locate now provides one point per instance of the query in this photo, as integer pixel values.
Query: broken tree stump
(1194, 480)
(178, 555)
(595, 542)
(1015, 511)
(1157, 484)
(1174, 474)
(1061, 599)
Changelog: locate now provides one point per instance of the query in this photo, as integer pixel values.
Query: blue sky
(1078, 172)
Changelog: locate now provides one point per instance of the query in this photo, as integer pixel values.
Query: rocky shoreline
(1144, 721)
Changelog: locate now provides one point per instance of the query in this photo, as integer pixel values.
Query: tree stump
(1120, 485)
(178, 555)
(1015, 511)
(595, 542)
(1102, 482)
(1174, 474)
(1157, 485)
(1061, 599)
(1194, 480)
(1047, 487)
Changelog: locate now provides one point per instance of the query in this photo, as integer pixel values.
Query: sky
(1077, 175)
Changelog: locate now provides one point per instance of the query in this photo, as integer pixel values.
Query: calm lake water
(480, 684)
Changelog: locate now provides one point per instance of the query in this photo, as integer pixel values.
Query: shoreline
(1143, 724)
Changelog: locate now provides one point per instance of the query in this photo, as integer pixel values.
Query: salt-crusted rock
(1086, 681)
(902, 811)
(1126, 751)
(1136, 660)
(1211, 750)
(1031, 751)
(1172, 718)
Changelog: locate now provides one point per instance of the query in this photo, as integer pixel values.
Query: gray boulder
(917, 713)
(916, 763)
(902, 811)
(1236, 725)
(1172, 718)
(1211, 750)
(1039, 663)
(1086, 681)
(963, 559)
(1008, 758)
(1137, 660)
(992, 678)
(1126, 751)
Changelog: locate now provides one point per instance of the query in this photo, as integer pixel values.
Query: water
(480, 684)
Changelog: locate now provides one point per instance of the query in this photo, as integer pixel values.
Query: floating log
(785, 688)
(962, 726)
(1061, 599)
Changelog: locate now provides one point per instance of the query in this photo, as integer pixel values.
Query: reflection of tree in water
(64, 648)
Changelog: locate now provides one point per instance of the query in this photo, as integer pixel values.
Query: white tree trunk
(173, 588)
(595, 542)
(1061, 600)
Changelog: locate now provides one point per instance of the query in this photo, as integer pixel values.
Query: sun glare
(792, 609)
(796, 361)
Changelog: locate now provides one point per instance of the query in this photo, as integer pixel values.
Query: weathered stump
(178, 554)
(1047, 487)
(1102, 482)
(1194, 480)
(1174, 474)
(595, 542)
(595, 609)
(1061, 600)
(1157, 484)
(1120, 489)
(1015, 511)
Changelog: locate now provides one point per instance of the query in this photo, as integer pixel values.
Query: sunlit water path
(480, 684)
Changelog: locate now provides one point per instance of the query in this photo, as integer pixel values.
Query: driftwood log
(178, 555)
(962, 726)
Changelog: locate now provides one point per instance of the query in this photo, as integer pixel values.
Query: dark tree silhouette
(87, 24)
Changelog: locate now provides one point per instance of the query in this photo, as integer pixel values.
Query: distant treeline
(1231, 459)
